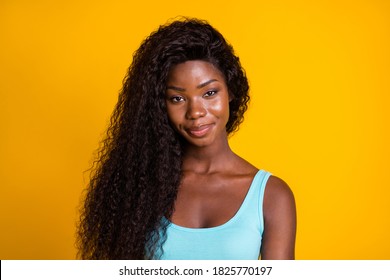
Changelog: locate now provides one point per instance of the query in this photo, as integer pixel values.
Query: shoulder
(279, 220)
(278, 198)
(278, 189)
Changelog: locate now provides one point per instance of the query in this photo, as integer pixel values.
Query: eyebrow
(198, 86)
(206, 83)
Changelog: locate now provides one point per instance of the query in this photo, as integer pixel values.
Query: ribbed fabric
(237, 239)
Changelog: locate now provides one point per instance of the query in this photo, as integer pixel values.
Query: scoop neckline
(228, 222)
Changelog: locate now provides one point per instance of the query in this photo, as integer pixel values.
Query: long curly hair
(134, 180)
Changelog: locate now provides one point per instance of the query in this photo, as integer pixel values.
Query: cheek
(220, 108)
(173, 115)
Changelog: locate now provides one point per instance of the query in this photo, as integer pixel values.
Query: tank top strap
(256, 198)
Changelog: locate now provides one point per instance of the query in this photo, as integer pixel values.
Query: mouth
(199, 131)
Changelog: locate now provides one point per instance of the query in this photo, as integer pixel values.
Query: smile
(199, 131)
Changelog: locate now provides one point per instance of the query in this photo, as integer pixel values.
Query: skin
(215, 179)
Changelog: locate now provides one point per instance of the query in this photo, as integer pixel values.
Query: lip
(199, 131)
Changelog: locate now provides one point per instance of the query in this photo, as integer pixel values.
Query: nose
(195, 110)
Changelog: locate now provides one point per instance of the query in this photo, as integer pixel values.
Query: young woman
(166, 184)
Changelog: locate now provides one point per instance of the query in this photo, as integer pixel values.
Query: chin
(201, 142)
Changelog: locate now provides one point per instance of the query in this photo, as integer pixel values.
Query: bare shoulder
(279, 220)
(278, 192)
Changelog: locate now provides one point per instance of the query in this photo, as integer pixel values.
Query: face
(197, 101)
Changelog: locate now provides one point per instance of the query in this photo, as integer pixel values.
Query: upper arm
(279, 221)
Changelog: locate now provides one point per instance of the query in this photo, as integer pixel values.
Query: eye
(210, 93)
(176, 99)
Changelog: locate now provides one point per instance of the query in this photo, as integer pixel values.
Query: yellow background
(319, 116)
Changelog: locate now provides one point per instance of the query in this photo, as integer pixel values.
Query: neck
(208, 159)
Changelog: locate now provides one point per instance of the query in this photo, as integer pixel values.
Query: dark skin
(215, 179)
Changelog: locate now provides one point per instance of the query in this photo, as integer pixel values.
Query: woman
(166, 184)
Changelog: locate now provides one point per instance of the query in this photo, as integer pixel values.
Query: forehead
(194, 71)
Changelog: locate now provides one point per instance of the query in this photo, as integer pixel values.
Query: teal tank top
(237, 239)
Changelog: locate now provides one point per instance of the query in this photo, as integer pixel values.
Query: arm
(279, 221)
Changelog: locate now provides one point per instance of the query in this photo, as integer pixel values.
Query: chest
(209, 201)
(239, 240)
